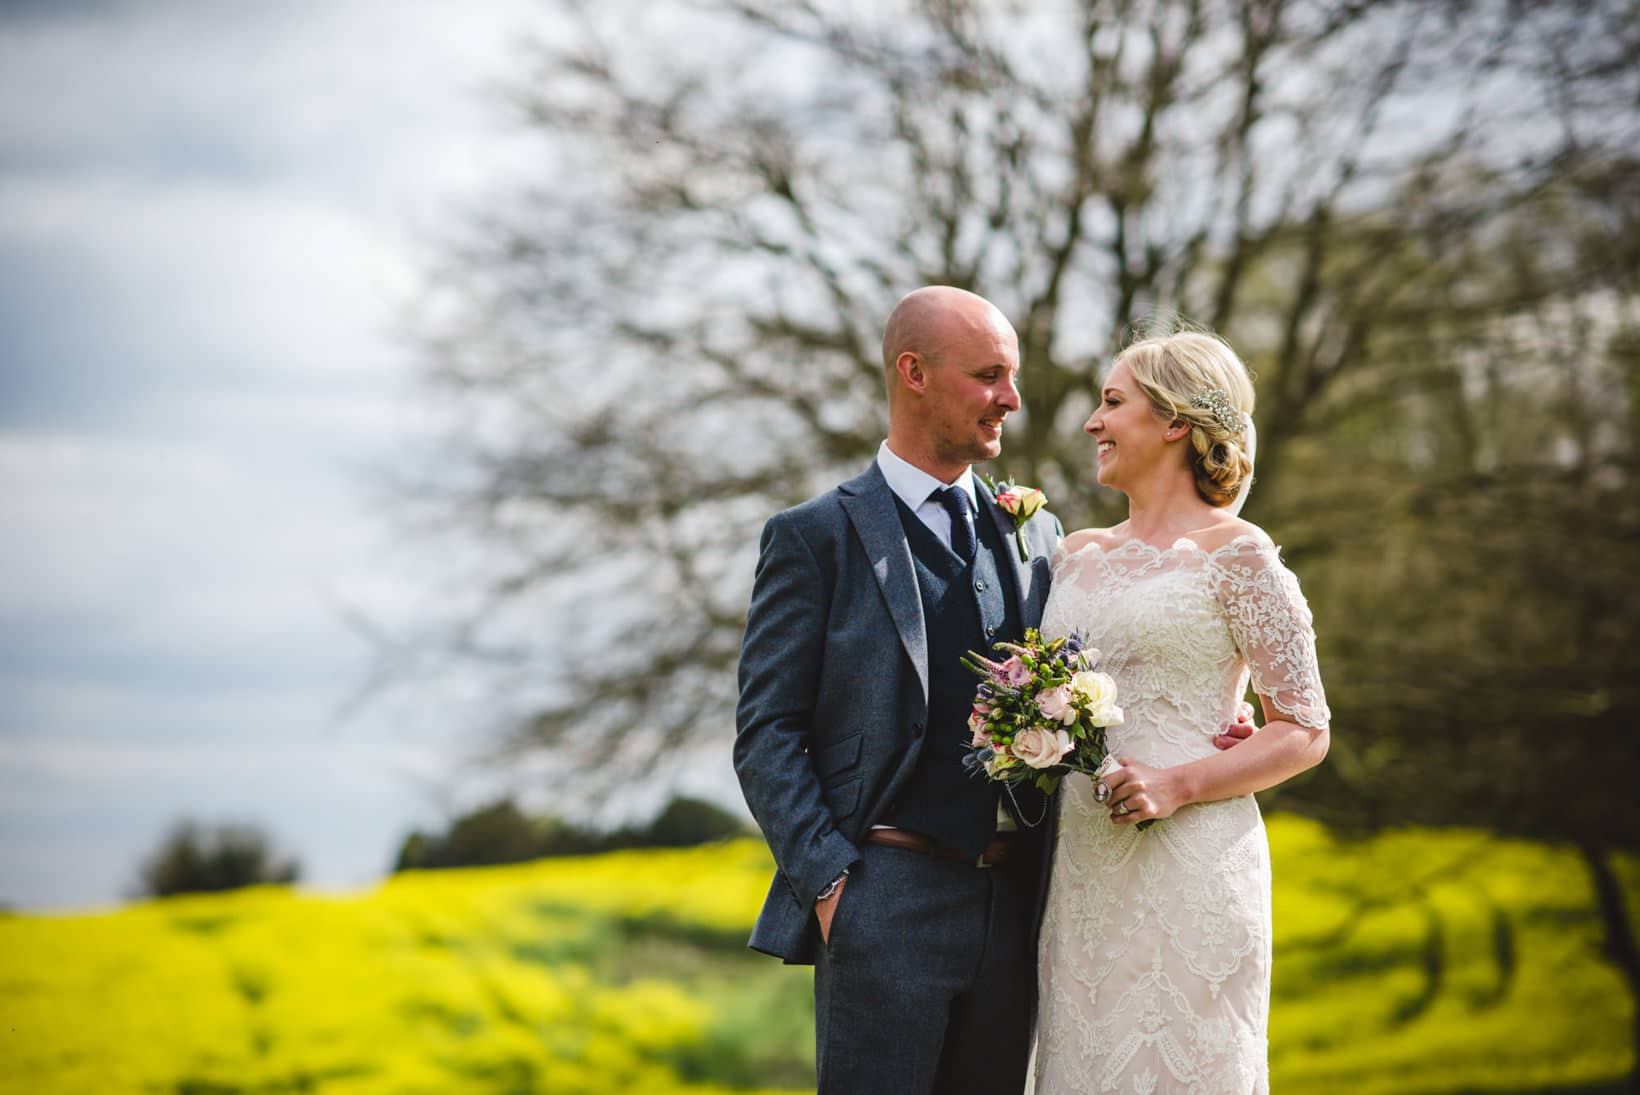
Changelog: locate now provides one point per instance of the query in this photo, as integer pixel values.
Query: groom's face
(971, 389)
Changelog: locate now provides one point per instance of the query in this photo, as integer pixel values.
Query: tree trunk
(1620, 946)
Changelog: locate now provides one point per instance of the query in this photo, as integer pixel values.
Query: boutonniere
(1020, 503)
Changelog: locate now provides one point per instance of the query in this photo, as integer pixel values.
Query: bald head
(930, 319)
(951, 360)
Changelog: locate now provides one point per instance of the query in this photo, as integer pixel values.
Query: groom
(913, 888)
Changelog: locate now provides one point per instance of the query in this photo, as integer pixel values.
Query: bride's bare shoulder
(1082, 537)
(1229, 529)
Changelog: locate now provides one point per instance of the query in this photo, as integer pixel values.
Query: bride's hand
(1139, 792)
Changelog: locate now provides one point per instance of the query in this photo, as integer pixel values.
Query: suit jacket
(834, 685)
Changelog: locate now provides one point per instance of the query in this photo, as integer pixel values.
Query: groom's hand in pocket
(826, 908)
(1239, 731)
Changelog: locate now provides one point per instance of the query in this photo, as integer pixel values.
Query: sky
(214, 220)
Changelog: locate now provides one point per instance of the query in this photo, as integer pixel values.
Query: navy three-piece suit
(852, 715)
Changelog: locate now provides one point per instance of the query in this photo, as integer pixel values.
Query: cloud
(119, 300)
(133, 531)
(205, 192)
(367, 100)
(211, 219)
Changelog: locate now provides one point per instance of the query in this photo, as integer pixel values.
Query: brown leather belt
(995, 852)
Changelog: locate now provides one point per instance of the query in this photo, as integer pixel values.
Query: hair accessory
(1216, 402)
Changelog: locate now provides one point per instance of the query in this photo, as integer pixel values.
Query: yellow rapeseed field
(1417, 962)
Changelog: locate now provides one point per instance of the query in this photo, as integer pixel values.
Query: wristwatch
(831, 887)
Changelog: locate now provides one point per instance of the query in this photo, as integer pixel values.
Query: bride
(1154, 968)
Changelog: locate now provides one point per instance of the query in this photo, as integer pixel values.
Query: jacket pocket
(845, 901)
(839, 756)
(842, 797)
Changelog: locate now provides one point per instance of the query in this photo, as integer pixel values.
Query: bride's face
(1132, 439)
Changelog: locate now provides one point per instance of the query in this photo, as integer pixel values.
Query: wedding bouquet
(1040, 713)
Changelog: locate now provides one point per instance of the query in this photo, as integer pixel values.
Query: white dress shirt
(915, 488)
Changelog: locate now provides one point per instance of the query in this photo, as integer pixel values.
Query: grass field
(1417, 962)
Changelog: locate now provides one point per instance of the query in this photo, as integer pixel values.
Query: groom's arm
(1234, 733)
(780, 662)
(1044, 531)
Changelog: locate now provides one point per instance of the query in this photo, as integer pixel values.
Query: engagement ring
(1122, 808)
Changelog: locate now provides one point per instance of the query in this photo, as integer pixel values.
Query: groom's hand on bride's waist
(1238, 731)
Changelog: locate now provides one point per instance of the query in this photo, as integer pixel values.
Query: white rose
(1041, 748)
(1098, 692)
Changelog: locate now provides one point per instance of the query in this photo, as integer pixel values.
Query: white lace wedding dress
(1154, 966)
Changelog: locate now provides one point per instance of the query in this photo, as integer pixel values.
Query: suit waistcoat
(966, 606)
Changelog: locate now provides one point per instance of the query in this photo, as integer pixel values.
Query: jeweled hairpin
(1216, 402)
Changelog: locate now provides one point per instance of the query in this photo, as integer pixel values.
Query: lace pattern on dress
(1155, 954)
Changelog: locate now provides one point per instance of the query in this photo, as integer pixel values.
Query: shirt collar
(913, 485)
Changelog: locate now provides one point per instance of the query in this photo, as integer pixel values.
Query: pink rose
(976, 724)
(1041, 748)
(1014, 674)
(1021, 502)
(1029, 502)
(1056, 704)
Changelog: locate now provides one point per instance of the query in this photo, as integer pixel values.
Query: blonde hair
(1175, 372)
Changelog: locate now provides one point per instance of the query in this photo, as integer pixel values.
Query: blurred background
(391, 396)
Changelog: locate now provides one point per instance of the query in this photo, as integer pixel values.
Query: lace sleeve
(1272, 627)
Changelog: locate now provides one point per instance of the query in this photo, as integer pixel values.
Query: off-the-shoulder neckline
(1182, 543)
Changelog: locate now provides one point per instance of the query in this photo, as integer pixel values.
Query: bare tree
(1486, 600)
(674, 332)
(1418, 221)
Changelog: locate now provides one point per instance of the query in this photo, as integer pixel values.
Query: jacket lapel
(869, 503)
(1023, 572)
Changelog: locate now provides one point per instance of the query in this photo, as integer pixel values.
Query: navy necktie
(961, 508)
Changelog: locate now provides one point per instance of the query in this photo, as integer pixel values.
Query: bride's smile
(1131, 437)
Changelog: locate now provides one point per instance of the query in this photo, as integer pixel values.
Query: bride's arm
(1277, 753)
(1273, 630)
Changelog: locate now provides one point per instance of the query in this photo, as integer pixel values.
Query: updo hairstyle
(1176, 372)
